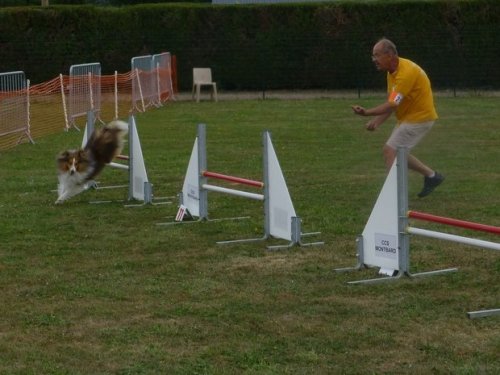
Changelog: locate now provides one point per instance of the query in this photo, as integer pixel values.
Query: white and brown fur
(77, 168)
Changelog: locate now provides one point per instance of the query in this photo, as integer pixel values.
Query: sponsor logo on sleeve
(396, 97)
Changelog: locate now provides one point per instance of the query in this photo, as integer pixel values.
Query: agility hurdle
(139, 187)
(280, 219)
(385, 241)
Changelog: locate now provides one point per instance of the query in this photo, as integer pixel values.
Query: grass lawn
(102, 289)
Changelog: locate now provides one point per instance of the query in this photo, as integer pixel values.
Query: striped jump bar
(453, 222)
(451, 237)
(237, 180)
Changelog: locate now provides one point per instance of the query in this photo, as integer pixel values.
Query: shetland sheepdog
(77, 168)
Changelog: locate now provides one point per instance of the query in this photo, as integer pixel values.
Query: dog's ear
(83, 154)
(63, 156)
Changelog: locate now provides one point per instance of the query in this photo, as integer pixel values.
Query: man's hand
(380, 113)
(373, 124)
(359, 110)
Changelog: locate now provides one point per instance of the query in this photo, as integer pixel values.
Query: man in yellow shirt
(410, 97)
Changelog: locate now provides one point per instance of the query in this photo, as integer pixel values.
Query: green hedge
(289, 46)
(4, 3)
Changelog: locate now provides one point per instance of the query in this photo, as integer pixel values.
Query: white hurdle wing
(280, 204)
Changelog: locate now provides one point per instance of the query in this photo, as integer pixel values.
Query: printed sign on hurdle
(280, 219)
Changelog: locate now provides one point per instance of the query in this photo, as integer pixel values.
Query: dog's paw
(91, 185)
(59, 201)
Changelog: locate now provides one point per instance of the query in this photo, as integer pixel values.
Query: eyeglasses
(377, 55)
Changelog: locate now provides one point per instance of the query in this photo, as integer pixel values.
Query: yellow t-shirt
(410, 90)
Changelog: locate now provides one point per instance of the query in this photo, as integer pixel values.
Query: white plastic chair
(203, 77)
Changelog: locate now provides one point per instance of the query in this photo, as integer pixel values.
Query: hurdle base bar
(205, 220)
(378, 280)
(359, 256)
(245, 240)
(400, 273)
(107, 187)
(148, 196)
(361, 265)
(96, 187)
(483, 313)
(296, 237)
(191, 219)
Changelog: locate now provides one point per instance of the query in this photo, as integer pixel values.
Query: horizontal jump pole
(245, 194)
(122, 157)
(238, 180)
(118, 165)
(454, 238)
(453, 222)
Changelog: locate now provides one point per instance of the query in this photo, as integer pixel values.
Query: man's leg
(413, 163)
(432, 179)
(417, 166)
(389, 156)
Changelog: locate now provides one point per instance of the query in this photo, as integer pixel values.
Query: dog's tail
(121, 126)
(121, 129)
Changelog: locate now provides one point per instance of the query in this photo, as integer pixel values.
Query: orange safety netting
(47, 109)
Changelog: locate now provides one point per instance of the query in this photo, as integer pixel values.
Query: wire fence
(47, 107)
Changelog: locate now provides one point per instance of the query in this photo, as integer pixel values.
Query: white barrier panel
(152, 80)
(162, 65)
(143, 83)
(14, 104)
(84, 91)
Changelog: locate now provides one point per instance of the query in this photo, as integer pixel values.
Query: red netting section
(48, 103)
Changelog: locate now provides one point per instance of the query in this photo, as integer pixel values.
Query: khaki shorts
(408, 134)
